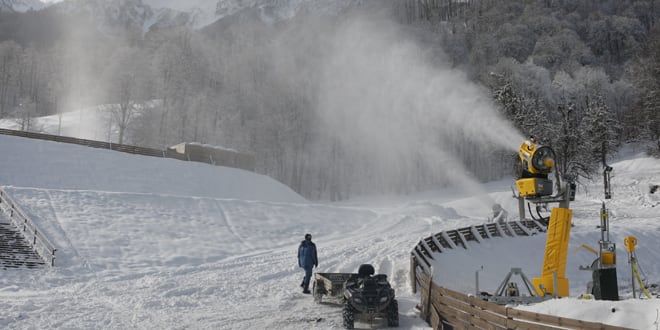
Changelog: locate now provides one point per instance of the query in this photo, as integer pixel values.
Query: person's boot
(306, 290)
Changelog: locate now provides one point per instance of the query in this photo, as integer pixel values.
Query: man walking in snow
(307, 260)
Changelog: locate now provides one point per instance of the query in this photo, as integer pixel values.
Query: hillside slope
(134, 252)
(44, 164)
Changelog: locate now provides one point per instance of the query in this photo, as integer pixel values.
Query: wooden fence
(39, 242)
(166, 153)
(461, 238)
(447, 309)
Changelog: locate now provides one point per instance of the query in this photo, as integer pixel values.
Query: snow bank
(637, 314)
(45, 164)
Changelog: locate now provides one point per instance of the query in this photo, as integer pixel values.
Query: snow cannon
(537, 162)
(534, 187)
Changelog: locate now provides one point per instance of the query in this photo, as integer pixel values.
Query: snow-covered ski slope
(154, 243)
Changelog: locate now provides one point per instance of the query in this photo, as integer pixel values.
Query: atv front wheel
(393, 314)
(349, 316)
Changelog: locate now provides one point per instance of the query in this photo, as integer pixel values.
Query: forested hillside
(372, 97)
(581, 74)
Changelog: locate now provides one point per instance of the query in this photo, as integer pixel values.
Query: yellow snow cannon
(534, 186)
(537, 162)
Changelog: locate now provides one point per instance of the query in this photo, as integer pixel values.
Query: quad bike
(367, 297)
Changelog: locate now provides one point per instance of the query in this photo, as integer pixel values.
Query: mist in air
(385, 98)
(332, 104)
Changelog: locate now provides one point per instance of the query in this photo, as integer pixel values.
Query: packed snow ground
(157, 243)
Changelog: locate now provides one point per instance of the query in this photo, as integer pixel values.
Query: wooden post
(428, 298)
(413, 273)
(508, 318)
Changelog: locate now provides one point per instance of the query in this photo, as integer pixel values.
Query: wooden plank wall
(443, 308)
(242, 161)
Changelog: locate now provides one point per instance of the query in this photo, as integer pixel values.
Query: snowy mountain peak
(200, 12)
(111, 15)
(280, 10)
(20, 5)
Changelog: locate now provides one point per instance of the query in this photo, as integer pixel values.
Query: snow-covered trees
(9, 53)
(647, 112)
(128, 79)
(601, 129)
(580, 75)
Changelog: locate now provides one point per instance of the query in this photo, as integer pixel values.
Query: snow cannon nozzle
(536, 159)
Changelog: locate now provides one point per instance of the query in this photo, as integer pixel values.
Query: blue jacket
(307, 255)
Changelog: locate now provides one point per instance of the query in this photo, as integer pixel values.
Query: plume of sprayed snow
(383, 96)
(84, 102)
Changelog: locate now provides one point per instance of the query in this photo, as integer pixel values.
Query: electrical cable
(538, 211)
(529, 207)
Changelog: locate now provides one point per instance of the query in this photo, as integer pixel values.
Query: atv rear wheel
(349, 316)
(318, 296)
(393, 314)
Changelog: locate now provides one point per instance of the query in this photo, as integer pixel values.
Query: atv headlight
(383, 299)
(357, 300)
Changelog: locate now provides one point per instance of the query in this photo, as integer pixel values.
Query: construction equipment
(630, 243)
(535, 187)
(604, 284)
(509, 293)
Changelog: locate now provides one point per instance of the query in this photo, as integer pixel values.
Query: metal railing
(35, 237)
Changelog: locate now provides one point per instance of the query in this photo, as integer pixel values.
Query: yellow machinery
(537, 162)
(631, 245)
(604, 284)
(534, 186)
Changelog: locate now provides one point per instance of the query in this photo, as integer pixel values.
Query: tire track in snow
(229, 224)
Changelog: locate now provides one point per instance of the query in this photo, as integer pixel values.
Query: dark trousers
(308, 276)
